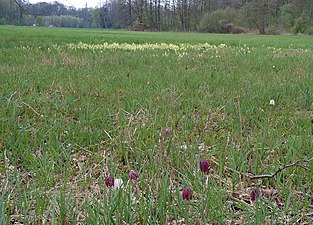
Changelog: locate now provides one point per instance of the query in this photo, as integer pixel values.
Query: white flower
(118, 183)
(272, 102)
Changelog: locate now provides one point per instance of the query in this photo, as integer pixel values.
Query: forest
(213, 16)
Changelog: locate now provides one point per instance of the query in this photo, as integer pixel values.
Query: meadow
(80, 108)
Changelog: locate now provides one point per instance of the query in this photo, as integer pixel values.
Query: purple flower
(109, 181)
(187, 194)
(204, 166)
(154, 211)
(168, 131)
(312, 121)
(133, 175)
(254, 194)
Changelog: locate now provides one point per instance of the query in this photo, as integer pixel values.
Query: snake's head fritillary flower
(133, 175)
(187, 194)
(254, 194)
(109, 181)
(154, 211)
(272, 102)
(204, 166)
(118, 183)
(168, 131)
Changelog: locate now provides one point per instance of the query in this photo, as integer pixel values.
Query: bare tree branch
(281, 168)
(21, 7)
(297, 163)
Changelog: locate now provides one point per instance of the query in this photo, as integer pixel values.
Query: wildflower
(187, 194)
(272, 102)
(254, 194)
(312, 121)
(109, 181)
(133, 175)
(204, 166)
(168, 131)
(154, 211)
(184, 147)
(118, 183)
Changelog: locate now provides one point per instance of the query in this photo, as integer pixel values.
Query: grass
(71, 117)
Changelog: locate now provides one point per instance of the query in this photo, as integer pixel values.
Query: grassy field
(78, 106)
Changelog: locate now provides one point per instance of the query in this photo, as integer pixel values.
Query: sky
(75, 3)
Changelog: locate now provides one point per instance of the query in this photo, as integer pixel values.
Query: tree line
(216, 16)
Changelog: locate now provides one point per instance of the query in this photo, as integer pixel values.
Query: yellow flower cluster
(182, 50)
(145, 46)
(290, 52)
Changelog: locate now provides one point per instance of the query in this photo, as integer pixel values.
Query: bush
(277, 30)
(310, 31)
(211, 22)
(40, 21)
(2, 21)
(301, 25)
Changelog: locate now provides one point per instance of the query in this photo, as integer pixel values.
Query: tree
(183, 8)
(257, 13)
(286, 16)
(5, 10)
(40, 21)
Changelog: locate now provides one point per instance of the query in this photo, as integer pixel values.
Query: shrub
(2, 21)
(301, 25)
(275, 30)
(40, 21)
(310, 31)
(211, 21)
